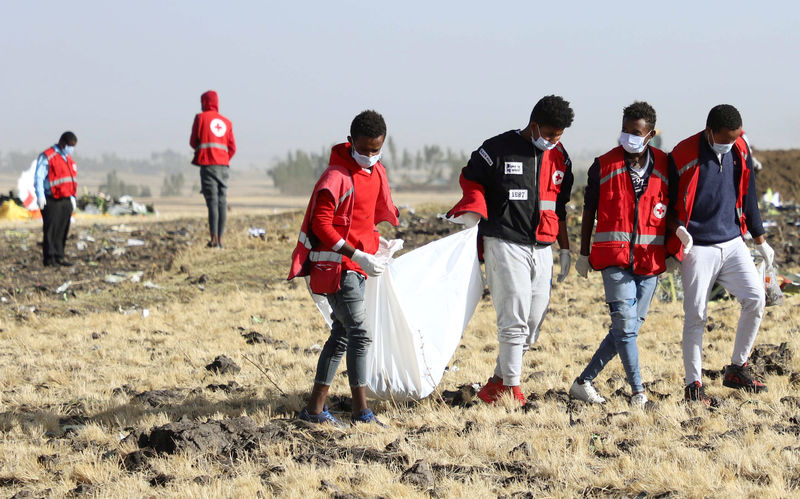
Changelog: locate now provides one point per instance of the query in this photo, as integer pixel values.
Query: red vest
(551, 174)
(685, 156)
(312, 258)
(214, 138)
(61, 174)
(631, 233)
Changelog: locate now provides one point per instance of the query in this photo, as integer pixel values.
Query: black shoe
(49, 263)
(741, 377)
(696, 393)
(64, 263)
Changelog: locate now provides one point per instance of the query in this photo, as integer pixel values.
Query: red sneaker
(519, 397)
(491, 391)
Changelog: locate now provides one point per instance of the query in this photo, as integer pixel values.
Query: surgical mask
(365, 161)
(721, 149)
(632, 143)
(68, 150)
(541, 142)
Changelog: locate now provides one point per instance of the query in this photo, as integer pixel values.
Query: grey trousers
(348, 333)
(213, 185)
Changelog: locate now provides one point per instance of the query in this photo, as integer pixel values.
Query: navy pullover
(713, 218)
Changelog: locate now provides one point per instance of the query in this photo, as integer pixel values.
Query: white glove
(673, 264)
(565, 261)
(686, 239)
(41, 202)
(470, 219)
(767, 253)
(74, 203)
(368, 263)
(582, 266)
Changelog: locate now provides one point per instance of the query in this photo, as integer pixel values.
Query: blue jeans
(348, 333)
(628, 296)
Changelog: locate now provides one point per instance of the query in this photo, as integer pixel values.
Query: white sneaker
(585, 392)
(638, 399)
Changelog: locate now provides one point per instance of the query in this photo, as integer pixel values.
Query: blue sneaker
(323, 417)
(368, 417)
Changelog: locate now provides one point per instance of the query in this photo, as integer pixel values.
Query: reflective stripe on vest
(213, 145)
(547, 205)
(687, 166)
(65, 180)
(344, 196)
(613, 174)
(625, 237)
(739, 212)
(303, 239)
(325, 256)
(660, 176)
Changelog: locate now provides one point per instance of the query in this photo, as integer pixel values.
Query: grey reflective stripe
(303, 239)
(659, 175)
(547, 205)
(739, 212)
(52, 156)
(613, 174)
(687, 166)
(605, 237)
(65, 180)
(213, 145)
(325, 256)
(645, 239)
(344, 196)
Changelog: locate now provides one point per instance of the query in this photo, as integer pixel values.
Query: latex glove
(673, 264)
(74, 203)
(685, 238)
(369, 263)
(767, 253)
(470, 219)
(565, 261)
(41, 202)
(582, 266)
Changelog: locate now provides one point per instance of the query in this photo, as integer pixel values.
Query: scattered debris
(223, 365)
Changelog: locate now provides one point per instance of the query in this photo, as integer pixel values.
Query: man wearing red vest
(214, 146)
(716, 205)
(56, 184)
(336, 249)
(628, 191)
(517, 185)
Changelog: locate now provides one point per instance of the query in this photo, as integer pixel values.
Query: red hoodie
(212, 134)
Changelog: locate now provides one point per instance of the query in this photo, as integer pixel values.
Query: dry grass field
(86, 377)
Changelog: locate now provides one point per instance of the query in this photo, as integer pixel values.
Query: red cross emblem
(218, 127)
(660, 210)
(558, 177)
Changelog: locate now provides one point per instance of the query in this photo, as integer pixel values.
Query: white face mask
(68, 150)
(632, 143)
(720, 148)
(541, 142)
(365, 161)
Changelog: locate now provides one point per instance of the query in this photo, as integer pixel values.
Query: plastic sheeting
(416, 313)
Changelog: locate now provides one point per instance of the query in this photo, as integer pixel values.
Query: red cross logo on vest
(218, 127)
(558, 177)
(660, 210)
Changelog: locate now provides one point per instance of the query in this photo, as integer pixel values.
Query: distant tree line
(431, 167)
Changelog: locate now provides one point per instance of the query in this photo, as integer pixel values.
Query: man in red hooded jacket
(336, 249)
(214, 146)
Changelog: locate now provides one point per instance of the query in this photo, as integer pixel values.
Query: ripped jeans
(628, 296)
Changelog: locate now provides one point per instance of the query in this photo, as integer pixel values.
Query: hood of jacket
(210, 101)
(341, 155)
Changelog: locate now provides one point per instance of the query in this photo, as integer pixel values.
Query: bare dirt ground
(189, 386)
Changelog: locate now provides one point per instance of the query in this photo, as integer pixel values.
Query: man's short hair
(640, 110)
(723, 116)
(553, 111)
(368, 124)
(68, 138)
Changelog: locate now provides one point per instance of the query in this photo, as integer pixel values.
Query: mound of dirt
(780, 173)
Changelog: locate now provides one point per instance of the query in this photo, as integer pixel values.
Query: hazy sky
(127, 77)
